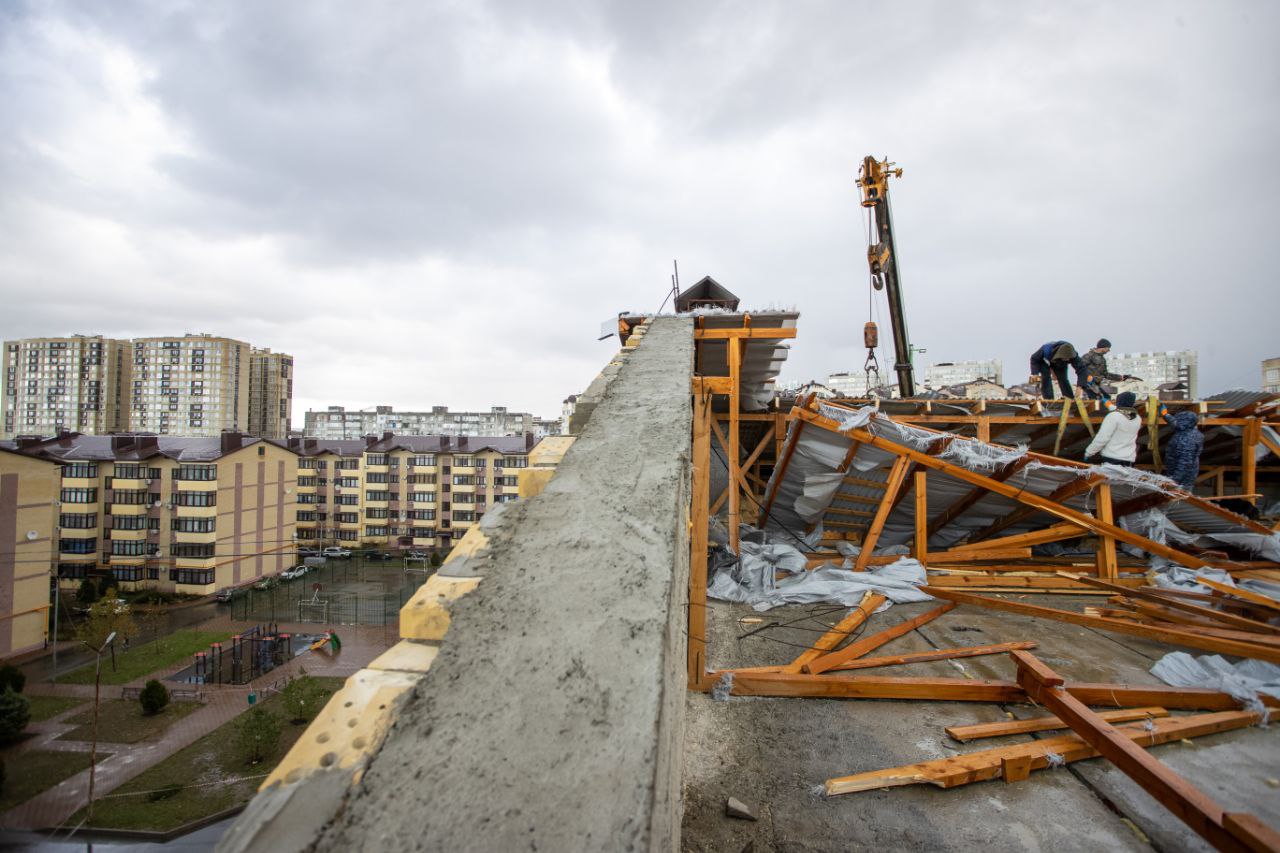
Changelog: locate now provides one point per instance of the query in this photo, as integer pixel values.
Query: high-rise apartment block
(270, 393)
(76, 383)
(337, 422)
(947, 373)
(1159, 368)
(194, 385)
(1271, 376)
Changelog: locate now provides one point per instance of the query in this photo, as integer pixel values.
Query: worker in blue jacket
(1052, 360)
(1182, 451)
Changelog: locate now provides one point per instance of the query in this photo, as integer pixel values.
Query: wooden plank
(1044, 724)
(1056, 533)
(988, 764)
(951, 555)
(858, 512)
(711, 384)
(920, 547)
(1238, 622)
(1243, 594)
(1063, 493)
(734, 453)
(864, 482)
(896, 477)
(841, 631)
(766, 333)
(700, 494)
(1011, 583)
(869, 644)
(902, 660)
(1118, 626)
(1187, 802)
(1248, 459)
(1106, 544)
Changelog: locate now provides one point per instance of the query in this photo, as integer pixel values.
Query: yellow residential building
(28, 494)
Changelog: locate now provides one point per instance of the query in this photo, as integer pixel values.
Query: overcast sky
(439, 203)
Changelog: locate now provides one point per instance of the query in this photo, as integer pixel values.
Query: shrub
(435, 559)
(12, 678)
(258, 735)
(303, 698)
(153, 697)
(15, 713)
(88, 592)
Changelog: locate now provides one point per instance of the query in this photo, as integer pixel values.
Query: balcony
(196, 511)
(129, 483)
(129, 509)
(187, 536)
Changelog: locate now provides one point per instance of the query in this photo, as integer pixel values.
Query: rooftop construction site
(725, 618)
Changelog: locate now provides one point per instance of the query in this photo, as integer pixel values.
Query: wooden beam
(1248, 459)
(901, 660)
(865, 483)
(920, 548)
(775, 333)
(734, 454)
(976, 494)
(989, 764)
(896, 477)
(1106, 555)
(875, 641)
(1063, 493)
(1187, 802)
(1056, 533)
(1244, 594)
(711, 384)
(780, 471)
(1044, 724)
(700, 494)
(840, 632)
(1241, 623)
(1118, 626)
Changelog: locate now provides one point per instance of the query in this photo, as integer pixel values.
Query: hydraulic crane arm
(883, 260)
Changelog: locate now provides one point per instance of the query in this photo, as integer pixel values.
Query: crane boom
(883, 260)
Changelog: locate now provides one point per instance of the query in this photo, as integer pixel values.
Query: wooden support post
(1248, 458)
(700, 494)
(921, 548)
(841, 631)
(1187, 802)
(984, 429)
(1062, 426)
(1106, 557)
(734, 346)
(896, 477)
(875, 641)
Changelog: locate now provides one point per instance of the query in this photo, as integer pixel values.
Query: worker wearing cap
(1052, 360)
(1116, 442)
(1095, 371)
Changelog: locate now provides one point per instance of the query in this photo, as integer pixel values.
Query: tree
(107, 584)
(435, 559)
(151, 623)
(303, 698)
(15, 713)
(153, 697)
(12, 678)
(258, 735)
(88, 592)
(104, 617)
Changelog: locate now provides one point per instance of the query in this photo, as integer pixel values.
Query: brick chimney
(145, 443)
(529, 441)
(120, 443)
(462, 441)
(231, 440)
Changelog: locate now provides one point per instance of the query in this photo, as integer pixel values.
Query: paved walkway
(222, 703)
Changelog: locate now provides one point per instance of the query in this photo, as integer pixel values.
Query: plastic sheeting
(1243, 680)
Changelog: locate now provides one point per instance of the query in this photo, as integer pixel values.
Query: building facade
(270, 394)
(28, 496)
(179, 514)
(402, 492)
(947, 373)
(336, 422)
(1158, 368)
(1271, 376)
(78, 383)
(192, 385)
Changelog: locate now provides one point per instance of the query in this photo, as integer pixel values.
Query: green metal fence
(350, 592)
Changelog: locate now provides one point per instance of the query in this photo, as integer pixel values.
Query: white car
(295, 572)
(335, 551)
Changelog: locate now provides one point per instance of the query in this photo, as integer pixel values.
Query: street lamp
(97, 686)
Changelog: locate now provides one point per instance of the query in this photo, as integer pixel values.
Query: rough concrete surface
(552, 718)
(776, 753)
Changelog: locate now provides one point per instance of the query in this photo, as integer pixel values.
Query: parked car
(223, 596)
(267, 583)
(335, 551)
(296, 572)
(417, 555)
(305, 551)
(376, 555)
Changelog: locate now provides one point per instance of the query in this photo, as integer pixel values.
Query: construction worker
(1182, 452)
(1051, 360)
(1116, 442)
(1095, 371)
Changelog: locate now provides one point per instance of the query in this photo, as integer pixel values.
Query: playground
(341, 592)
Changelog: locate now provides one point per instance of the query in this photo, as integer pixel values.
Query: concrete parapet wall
(551, 717)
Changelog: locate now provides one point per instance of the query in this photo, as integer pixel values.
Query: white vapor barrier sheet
(1244, 680)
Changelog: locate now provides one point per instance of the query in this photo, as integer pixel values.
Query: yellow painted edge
(425, 616)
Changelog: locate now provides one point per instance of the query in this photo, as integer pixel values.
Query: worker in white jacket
(1117, 440)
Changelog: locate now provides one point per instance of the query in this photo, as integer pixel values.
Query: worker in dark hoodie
(1051, 361)
(1182, 451)
(1116, 442)
(1095, 371)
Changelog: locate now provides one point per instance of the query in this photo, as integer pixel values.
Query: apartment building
(28, 496)
(337, 422)
(192, 385)
(77, 383)
(402, 492)
(270, 393)
(1271, 376)
(175, 513)
(947, 373)
(1159, 368)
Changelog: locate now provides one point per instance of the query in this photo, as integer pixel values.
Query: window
(197, 498)
(422, 532)
(347, 464)
(509, 481)
(80, 469)
(79, 496)
(371, 530)
(306, 515)
(423, 461)
(463, 498)
(197, 577)
(128, 547)
(77, 546)
(127, 573)
(423, 497)
(129, 497)
(196, 472)
(463, 462)
(306, 463)
(128, 471)
(78, 520)
(306, 499)
(347, 500)
(374, 495)
(348, 535)
(375, 477)
(422, 479)
(129, 522)
(347, 517)
(192, 549)
(464, 515)
(464, 479)
(513, 462)
(306, 481)
(194, 525)
(504, 499)
(348, 482)
(479, 464)
(377, 512)
(422, 515)
(73, 570)
(376, 459)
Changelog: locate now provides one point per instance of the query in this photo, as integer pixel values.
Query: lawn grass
(122, 721)
(210, 773)
(35, 771)
(146, 659)
(47, 707)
